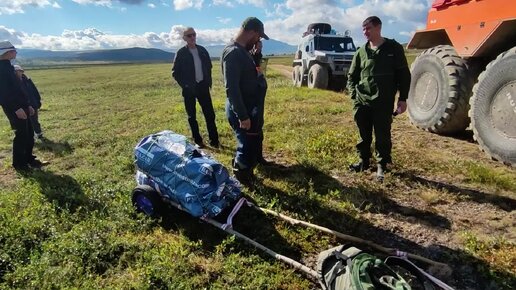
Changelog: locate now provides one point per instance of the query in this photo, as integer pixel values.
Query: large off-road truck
(323, 58)
(468, 73)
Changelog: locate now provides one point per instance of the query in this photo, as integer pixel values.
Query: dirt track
(283, 69)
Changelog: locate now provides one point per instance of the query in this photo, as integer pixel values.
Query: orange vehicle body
(475, 28)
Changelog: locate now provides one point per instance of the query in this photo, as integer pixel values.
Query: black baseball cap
(253, 23)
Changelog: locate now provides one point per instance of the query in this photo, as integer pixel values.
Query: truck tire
(317, 77)
(297, 76)
(439, 91)
(493, 108)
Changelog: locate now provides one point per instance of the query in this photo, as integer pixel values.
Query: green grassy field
(72, 225)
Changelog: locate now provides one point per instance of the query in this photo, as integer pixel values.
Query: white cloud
(92, 38)
(11, 35)
(151, 5)
(291, 18)
(223, 3)
(223, 20)
(17, 6)
(186, 4)
(107, 3)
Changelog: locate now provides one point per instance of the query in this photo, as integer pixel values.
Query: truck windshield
(336, 44)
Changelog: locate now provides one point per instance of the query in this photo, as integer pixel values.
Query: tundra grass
(72, 224)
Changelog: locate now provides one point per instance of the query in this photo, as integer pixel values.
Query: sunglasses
(191, 35)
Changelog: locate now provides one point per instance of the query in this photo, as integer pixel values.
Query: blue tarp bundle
(179, 171)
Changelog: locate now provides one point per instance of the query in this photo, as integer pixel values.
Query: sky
(108, 24)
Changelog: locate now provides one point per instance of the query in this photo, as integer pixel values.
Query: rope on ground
(388, 251)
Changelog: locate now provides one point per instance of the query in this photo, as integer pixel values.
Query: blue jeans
(248, 141)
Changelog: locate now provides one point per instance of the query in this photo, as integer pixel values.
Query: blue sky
(97, 24)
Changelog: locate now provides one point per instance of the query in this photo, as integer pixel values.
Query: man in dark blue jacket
(192, 71)
(15, 104)
(245, 93)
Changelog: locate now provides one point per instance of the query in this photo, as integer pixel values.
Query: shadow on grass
(63, 191)
(249, 222)
(361, 197)
(58, 148)
(502, 202)
(469, 271)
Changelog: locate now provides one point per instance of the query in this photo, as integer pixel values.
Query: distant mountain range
(135, 54)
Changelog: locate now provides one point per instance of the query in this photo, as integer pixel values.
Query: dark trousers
(201, 92)
(23, 141)
(248, 141)
(34, 119)
(379, 120)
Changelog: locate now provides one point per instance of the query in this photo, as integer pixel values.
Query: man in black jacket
(15, 104)
(192, 71)
(245, 93)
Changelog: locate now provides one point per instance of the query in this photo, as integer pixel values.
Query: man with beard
(244, 104)
(379, 70)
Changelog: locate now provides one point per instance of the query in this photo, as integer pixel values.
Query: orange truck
(466, 76)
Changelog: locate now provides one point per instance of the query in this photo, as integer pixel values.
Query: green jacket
(376, 75)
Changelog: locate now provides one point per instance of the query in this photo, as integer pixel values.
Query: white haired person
(34, 99)
(15, 104)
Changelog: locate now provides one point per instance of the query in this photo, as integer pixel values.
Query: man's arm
(402, 73)
(232, 73)
(354, 76)
(177, 68)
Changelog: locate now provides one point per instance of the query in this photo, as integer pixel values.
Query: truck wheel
(439, 91)
(297, 76)
(493, 108)
(147, 200)
(317, 77)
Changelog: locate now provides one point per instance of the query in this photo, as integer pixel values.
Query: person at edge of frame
(15, 104)
(192, 71)
(256, 52)
(379, 69)
(244, 98)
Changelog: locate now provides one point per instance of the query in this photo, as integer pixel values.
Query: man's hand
(31, 111)
(245, 124)
(20, 113)
(402, 107)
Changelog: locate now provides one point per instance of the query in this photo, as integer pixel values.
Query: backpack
(349, 268)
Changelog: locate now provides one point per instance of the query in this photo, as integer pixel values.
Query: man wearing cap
(15, 104)
(244, 104)
(192, 71)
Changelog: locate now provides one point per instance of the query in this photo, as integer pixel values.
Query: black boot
(244, 176)
(359, 167)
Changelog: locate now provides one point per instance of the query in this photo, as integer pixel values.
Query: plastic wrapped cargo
(184, 174)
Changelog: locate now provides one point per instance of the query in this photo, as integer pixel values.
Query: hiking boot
(36, 164)
(245, 177)
(380, 172)
(359, 167)
(200, 145)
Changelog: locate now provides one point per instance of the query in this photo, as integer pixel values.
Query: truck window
(336, 44)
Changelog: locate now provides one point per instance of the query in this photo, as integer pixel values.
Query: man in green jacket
(379, 70)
